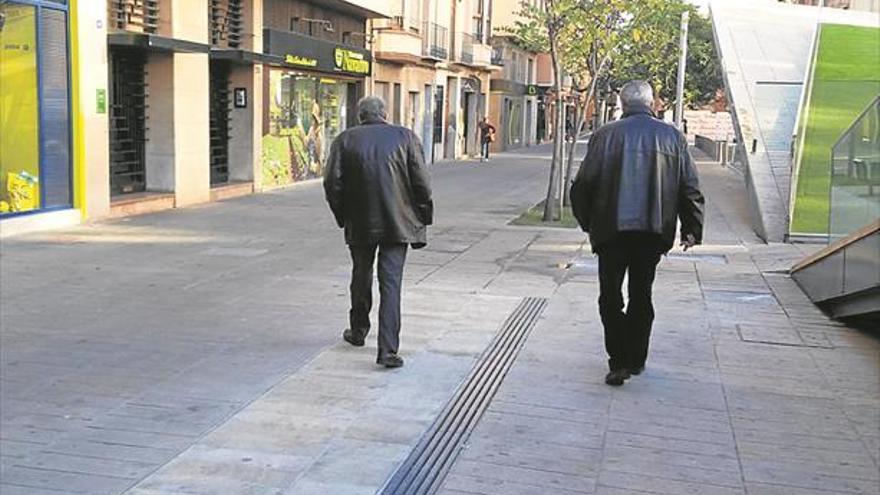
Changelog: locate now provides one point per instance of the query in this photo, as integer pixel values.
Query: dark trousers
(484, 148)
(627, 332)
(391, 261)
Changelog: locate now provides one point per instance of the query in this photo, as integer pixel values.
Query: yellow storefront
(35, 131)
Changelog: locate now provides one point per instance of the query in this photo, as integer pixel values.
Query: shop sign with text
(351, 61)
(299, 50)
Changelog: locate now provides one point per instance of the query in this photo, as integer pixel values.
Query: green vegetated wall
(846, 79)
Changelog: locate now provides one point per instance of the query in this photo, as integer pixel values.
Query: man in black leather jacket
(637, 180)
(378, 188)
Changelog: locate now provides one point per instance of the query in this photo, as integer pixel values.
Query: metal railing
(854, 199)
(134, 15)
(497, 55)
(466, 53)
(227, 22)
(435, 41)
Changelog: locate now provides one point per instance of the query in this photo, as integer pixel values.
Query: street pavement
(198, 351)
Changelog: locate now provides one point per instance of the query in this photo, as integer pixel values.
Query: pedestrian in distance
(487, 137)
(378, 188)
(636, 182)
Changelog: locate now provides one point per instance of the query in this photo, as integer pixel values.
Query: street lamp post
(682, 65)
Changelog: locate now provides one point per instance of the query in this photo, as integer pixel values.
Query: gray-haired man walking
(637, 180)
(379, 190)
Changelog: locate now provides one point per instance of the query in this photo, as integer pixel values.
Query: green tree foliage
(651, 52)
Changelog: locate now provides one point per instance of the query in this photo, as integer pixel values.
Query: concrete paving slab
(223, 370)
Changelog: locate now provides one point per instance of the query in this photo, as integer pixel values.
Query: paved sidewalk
(748, 387)
(197, 351)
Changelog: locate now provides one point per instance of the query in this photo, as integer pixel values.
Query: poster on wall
(19, 121)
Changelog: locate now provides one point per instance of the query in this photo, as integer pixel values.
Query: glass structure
(855, 175)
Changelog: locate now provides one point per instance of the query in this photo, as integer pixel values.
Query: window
(34, 132)
(412, 111)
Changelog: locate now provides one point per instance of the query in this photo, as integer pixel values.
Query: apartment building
(432, 67)
(514, 93)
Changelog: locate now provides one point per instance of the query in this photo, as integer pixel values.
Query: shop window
(34, 108)
(55, 108)
(305, 114)
(19, 110)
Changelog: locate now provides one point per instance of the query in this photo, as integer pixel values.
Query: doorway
(529, 134)
(219, 117)
(128, 136)
(467, 102)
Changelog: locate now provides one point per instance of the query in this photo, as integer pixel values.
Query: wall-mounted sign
(301, 61)
(101, 101)
(532, 90)
(351, 61)
(304, 51)
(240, 98)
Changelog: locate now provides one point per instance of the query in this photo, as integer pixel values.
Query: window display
(35, 165)
(19, 110)
(305, 114)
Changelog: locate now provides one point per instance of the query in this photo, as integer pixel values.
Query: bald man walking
(636, 182)
(379, 190)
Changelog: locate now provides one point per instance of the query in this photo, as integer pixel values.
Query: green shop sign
(299, 50)
(351, 61)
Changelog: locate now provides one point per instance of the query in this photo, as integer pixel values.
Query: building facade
(514, 100)
(119, 107)
(316, 68)
(433, 67)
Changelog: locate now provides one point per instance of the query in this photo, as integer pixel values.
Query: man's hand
(688, 242)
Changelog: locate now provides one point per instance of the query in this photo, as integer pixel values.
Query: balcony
(397, 40)
(435, 41)
(139, 16)
(470, 51)
(226, 23)
(466, 48)
(497, 56)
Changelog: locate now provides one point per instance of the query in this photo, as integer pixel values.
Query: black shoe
(615, 378)
(349, 337)
(390, 361)
(637, 371)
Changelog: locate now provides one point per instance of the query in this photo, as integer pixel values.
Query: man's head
(636, 94)
(371, 108)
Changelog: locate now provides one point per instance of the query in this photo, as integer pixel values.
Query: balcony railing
(134, 15)
(435, 41)
(497, 56)
(466, 55)
(227, 22)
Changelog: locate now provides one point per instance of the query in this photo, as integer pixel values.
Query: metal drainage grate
(426, 467)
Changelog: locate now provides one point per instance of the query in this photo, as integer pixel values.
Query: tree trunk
(560, 186)
(551, 203)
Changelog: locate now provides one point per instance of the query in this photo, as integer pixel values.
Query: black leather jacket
(378, 186)
(638, 176)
